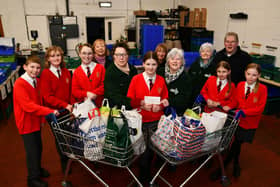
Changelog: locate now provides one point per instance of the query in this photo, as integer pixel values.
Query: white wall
(262, 26)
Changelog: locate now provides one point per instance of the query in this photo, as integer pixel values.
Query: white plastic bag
(134, 120)
(213, 121)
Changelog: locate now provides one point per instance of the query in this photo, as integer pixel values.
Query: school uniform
(116, 84)
(55, 87)
(81, 83)
(28, 117)
(211, 91)
(141, 85)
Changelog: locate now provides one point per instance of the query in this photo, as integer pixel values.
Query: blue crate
(6, 51)
(273, 91)
(109, 46)
(135, 60)
(190, 57)
(13, 65)
(151, 36)
(3, 75)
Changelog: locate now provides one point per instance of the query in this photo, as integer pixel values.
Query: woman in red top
(143, 86)
(88, 78)
(218, 90)
(250, 97)
(56, 87)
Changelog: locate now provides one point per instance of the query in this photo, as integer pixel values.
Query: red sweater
(253, 106)
(56, 92)
(138, 89)
(81, 84)
(210, 91)
(27, 107)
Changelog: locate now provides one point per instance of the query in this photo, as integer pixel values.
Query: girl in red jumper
(143, 86)
(56, 87)
(218, 90)
(28, 116)
(88, 78)
(250, 97)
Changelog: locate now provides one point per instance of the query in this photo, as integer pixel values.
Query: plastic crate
(267, 74)
(5, 51)
(72, 62)
(3, 76)
(6, 68)
(135, 60)
(151, 36)
(265, 61)
(272, 106)
(272, 91)
(276, 74)
(10, 58)
(13, 65)
(190, 57)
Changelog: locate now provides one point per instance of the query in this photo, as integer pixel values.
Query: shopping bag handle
(199, 99)
(238, 114)
(105, 100)
(53, 118)
(172, 111)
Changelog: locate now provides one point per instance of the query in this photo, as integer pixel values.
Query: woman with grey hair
(202, 68)
(177, 81)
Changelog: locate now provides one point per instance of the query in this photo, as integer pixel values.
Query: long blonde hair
(258, 68)
(225, 65)
(48, 53)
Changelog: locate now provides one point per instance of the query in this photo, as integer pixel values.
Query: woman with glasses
(118, 77)
(88, 78)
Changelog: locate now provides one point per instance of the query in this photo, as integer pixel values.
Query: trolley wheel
(225, 181)
(154, 185)
(66, 184)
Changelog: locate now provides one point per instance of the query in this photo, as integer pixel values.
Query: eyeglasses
(87, 54)
(230, 42)
(121, 55)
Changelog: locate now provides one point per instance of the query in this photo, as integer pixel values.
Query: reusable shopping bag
(191, 113)
(105, 110)
(117, 149)
(213, 121)
(163, 136)
(134, 120)
(189, 138)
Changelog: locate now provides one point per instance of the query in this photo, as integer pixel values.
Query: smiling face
(251, 75)
(161, 54)
(55, 58)
(99, 48)
(121, 57)
(205, 53)
(175, 63)
(32, 69)
(231, 44)
(150, 67)
(86, 55)
(222, 73)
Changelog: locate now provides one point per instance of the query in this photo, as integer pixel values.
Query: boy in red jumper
(88, 78)
(28, 116)
(142, 86)
(55, 87)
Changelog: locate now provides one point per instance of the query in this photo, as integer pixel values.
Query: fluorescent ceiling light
(105, 4)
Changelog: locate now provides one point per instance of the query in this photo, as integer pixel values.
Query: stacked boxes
(195, 18)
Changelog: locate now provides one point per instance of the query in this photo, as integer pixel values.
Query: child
(218, 90)
(88, 78)
(142, 85)
(28, 116)
(100, 53)
(250, 97)
(55, 86)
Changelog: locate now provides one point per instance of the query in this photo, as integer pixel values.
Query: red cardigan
(138, 89)
(253, 106)
(210, 91)
(56, 92)
(95, 84)
(27, 107)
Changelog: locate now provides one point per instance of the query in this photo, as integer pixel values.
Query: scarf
(100, 59)
(169, 77)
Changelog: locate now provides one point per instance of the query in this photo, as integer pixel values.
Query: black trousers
(33, 149)
(146, 158)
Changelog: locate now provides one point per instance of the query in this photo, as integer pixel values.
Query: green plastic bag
(117, 149)
(192, 114)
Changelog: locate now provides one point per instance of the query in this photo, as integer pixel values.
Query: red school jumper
(210, 91)
(27, 107)
(81, 84)
(253, 106)
(138, 89)
(56, 92)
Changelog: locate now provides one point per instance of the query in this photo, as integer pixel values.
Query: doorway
(95, 29)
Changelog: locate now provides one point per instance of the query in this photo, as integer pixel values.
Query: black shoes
(37, 183)
(44, 173)
(236, 170)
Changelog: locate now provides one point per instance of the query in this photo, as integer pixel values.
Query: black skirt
(245, 135)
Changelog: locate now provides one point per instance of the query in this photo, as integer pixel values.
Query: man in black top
(237, 58)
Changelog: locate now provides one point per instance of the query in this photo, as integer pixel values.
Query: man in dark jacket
(237, 58)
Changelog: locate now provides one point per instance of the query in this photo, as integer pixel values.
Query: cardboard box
(139, 12)
(184, 18)
(191, 19)
(203, 17)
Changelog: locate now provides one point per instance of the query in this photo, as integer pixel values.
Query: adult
(161, 52)
(100, 53)
(202, 68)
(237, 58)
(179, 84)
(118, 77)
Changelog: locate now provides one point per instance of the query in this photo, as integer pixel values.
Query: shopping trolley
(71, 144)
(213, 144)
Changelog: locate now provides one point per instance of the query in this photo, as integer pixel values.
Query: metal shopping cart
(72, 144)
(212, 144)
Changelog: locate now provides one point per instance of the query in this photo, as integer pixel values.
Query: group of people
(222, 79)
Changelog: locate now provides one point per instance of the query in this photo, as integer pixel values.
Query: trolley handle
(51, 117)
